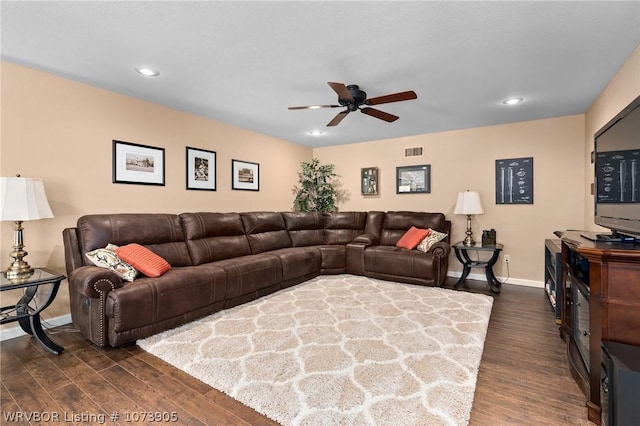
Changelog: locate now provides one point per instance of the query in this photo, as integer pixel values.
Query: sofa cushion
(305, 228)
(343, 227)
(214, 236)
(143, 259)
(397, 223)
(265, 231)
(108, 259)
(250, 274)
(412, 238)
(148, 301)
(396, 261)
(161, 233)
(298, 262)
(432, 238)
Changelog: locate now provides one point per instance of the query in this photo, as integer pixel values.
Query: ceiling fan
(353, 98)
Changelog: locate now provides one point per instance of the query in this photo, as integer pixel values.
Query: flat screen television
(617, 174)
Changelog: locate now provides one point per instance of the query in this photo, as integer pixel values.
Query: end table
(28, 317)
(462, 253)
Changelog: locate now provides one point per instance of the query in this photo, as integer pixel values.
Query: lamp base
(19, 268)
(469, 241)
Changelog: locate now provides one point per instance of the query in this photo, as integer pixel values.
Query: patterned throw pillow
(107, 258)
(412, 238)
(433, 237)
(143, 259)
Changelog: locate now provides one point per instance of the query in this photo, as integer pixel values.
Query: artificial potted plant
(315, 191)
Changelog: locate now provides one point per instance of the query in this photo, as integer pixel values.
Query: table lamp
(468, 203)
(21, 199)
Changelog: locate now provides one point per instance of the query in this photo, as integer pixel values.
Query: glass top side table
(463, 253)
(27, 316)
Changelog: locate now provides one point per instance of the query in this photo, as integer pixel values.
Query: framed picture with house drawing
(245, 175)
(137, 164)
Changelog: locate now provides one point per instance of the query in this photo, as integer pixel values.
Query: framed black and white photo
(514, 181)
(201, 169)
(369, 181)
(245, 175)
(413, 179)
(137, 164)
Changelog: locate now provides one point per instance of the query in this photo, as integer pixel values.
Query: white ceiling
(245, 62)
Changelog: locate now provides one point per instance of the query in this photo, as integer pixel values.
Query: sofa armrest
(94, 282)
(366, 240)
(441, 249)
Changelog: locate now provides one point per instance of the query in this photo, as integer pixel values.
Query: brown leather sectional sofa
(220, 260)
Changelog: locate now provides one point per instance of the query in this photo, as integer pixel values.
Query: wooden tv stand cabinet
(601, 292)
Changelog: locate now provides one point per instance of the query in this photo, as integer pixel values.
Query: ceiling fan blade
(342, 91)
(315, 106)
(395, 97)
(380, 114)
(338, 118)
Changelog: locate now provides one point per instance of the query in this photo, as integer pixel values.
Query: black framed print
(413, 179)
(137, 164)
(514, 181)
(245, 175)
(201, 169)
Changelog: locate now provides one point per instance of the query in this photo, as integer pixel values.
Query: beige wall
(465, 159)
(621, 90)
(62, 131)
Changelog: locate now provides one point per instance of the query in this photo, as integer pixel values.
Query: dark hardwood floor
(524, 377)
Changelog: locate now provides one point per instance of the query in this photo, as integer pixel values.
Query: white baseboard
(10, 333)
(504, 280)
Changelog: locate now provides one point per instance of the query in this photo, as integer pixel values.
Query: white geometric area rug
(341, 350)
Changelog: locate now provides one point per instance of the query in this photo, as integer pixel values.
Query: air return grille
(415, 151)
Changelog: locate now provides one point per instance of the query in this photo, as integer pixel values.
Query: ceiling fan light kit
(353, 99)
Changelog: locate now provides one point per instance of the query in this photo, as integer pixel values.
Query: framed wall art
(413, 179)
(514, 181)
(369, 181)
(137, 164)
(201, 169)
(245, 175)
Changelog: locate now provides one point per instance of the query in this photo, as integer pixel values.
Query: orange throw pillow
(143, 259)
(412, 238)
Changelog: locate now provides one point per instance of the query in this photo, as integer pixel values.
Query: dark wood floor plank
(30, 396)
(85, 377)
(78, 406)
(145, 395)
(198, 405)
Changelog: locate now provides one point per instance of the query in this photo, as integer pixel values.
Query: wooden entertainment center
(601, 294)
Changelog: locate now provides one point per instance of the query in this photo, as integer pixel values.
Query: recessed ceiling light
(512, 101)
(316, 133)
(147, 72)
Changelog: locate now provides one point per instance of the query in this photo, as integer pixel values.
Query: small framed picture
(201, 169)
(137, 164)
(245, 175)
(369, 181)
(413, 179)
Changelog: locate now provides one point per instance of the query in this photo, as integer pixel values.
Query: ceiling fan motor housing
(359, 96)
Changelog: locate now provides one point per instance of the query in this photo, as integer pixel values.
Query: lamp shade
(468, 203)
(23, 199)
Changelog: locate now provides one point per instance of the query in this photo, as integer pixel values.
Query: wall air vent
(415, 151)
